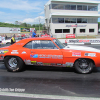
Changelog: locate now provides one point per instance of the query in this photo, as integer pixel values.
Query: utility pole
(39, 24)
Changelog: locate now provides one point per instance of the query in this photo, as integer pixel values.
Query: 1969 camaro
(49, 52)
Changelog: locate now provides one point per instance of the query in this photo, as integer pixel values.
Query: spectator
(34, 34)
(13, 39)
(5, 36)
(0, 40)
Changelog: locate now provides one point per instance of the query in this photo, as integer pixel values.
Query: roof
(75, 1)
(74, 14)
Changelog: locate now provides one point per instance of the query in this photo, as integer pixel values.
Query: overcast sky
(23, 11)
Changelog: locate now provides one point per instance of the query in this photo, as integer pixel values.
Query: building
(71, 17)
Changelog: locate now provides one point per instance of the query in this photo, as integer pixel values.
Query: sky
(28, 11)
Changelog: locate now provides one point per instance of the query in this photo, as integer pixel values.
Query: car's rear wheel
(13, 64)
(83, 66)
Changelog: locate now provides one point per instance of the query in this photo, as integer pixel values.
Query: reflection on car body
(49, 52)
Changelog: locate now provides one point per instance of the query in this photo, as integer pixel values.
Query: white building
(71, 17)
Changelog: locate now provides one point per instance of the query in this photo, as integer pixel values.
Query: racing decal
(34, 56)
(28, 62)
(14, 52)
(90, 54)
(37, 41)
(52, 64)
(23, 52)
(68, 64)
(47, 56)
(39, 63)
(3, 51)
(76, 53)
(46, 64)
(59, 64)
(33, 62)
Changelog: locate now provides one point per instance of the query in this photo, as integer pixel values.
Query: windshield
(59, 44)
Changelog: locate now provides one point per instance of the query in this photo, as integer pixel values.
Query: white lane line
(41, 96)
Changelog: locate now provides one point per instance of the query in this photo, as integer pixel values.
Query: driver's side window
(43, 44)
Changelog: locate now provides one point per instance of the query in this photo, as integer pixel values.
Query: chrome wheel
(84, 65)
(12, 63)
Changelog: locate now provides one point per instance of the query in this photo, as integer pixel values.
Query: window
(92, 8)
(54, 20)
(73, 7)
(43, 44)
(60, 6)
(82, 30)
(58, 30)
(84, 7)
(58, 43)
(73, 20)
(92, 20)
(79, 20)
(91, 30)
(60, 20)
(28, 45)
(67, 20)
(54, 6)
(79, 7)
(67, 7)
(66, 30)
(84, 20)
(49, 6)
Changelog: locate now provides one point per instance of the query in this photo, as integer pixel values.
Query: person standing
(34, 34)
(13, 39)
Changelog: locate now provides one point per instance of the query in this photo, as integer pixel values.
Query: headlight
(3, 51)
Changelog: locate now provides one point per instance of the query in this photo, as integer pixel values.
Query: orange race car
(49, 52)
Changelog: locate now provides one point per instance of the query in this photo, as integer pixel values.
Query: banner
(46, 35)
(32, 29)
(70, 35)
(14, 30)
(82, 41)
(25, 29)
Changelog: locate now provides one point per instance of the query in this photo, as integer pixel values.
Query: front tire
(13, 64)
(83, 66)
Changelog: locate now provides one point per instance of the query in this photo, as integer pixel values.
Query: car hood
(83, 48)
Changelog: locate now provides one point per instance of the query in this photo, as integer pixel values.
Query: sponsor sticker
(52, 64)
(39, 63)
(28, 62)
(23, 52)
(76, 53)
(14, 52)
(90, 54)
(69, 64)
(59, 64)
(33, 62)
(34, 56)
(46, 64)
(3, 51)
(47, 56)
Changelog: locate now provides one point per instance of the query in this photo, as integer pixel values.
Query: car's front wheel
(84, 66)
(13, 64)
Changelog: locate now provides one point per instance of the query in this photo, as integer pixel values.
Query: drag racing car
(49, 52)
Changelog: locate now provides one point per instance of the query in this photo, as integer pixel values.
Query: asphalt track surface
(49, 83)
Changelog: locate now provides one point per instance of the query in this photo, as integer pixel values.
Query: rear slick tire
(84, 66)
(14, 64)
